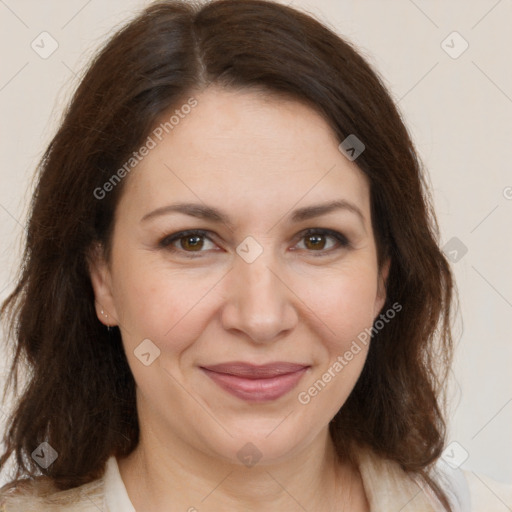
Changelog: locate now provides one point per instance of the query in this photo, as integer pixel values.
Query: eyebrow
(205, 212)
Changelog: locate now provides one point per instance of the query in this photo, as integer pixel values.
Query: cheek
(343, 302)
(172, 306)
(343, 316)
(159, 304)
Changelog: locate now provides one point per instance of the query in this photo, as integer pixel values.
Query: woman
(232, 294)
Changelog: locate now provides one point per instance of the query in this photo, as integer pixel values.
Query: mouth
(256, 383)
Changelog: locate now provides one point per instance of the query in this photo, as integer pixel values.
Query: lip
(256, 383)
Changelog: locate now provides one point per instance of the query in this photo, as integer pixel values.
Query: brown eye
(187, 242)
(191, 243)
(315, 242)
(323, 241)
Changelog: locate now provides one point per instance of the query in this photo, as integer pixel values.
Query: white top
(116, 496)
(468, 492)
(387, 487)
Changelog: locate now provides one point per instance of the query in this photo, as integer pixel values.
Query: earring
(109, 328)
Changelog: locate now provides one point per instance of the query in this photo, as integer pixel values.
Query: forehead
(245, 149)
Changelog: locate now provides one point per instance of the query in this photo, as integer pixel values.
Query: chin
(264, 446)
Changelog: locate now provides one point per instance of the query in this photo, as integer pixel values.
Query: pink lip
(256, 383)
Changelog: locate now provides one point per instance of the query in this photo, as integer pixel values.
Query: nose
(259, 303)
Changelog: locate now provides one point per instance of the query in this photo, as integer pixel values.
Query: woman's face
(251, 289)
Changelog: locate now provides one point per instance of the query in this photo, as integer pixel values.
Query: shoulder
(471, 492)
(488, 494)
(40, 495)
(389, 487)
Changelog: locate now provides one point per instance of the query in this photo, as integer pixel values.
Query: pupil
(317, 241)
(195, 242)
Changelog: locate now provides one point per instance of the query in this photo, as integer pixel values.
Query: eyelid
(340, 237)
(167, 241)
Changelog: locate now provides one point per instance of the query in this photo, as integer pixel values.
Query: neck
(157, 475)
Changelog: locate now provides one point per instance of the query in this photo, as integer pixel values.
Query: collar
(388, 487)
(116, 496)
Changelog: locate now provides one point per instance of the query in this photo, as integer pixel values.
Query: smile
(256, 383)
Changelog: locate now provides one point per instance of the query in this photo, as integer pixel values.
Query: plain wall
(458, 110)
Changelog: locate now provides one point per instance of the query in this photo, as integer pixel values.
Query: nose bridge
(258, 302)
(254, 263)
(258, 279)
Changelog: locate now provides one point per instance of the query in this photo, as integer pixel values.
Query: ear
(380, 298)
(101, 280)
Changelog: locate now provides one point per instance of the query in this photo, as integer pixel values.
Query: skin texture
(257, 159)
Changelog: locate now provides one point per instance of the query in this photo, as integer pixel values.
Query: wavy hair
(79, 393)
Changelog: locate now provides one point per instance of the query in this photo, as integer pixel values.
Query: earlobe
(101, 281)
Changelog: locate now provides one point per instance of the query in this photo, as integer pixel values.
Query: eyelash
(166, 242)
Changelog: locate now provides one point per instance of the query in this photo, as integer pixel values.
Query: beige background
(459, 111)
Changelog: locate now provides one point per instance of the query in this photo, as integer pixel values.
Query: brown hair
(80, 393)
